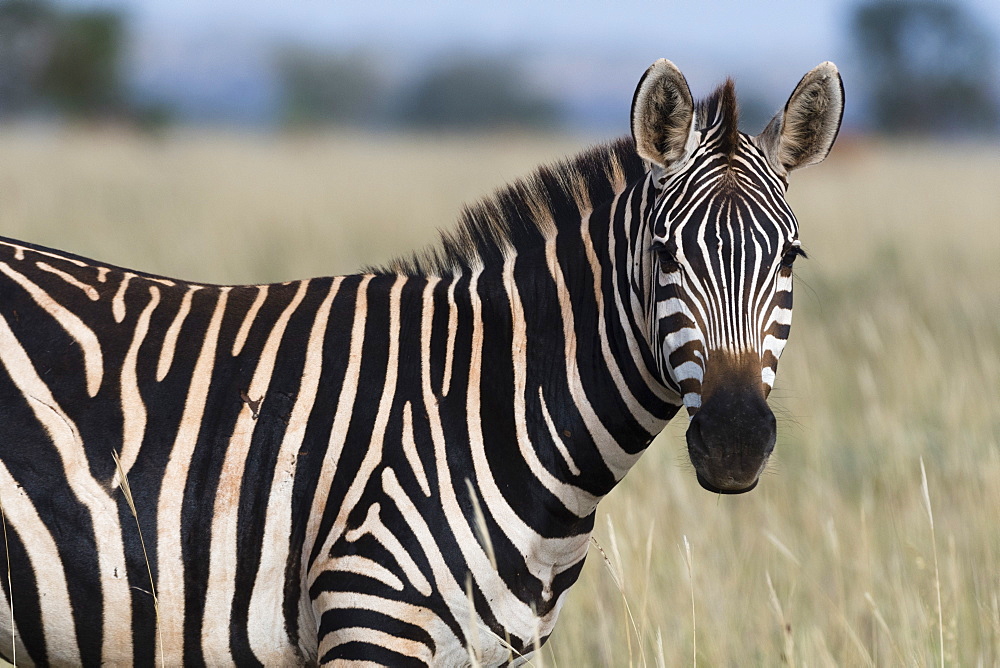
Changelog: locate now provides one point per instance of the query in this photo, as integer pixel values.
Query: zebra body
(302, 391)
(399, 467)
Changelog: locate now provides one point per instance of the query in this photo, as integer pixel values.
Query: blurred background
(250, 141)
(914, 67)
(196, 103)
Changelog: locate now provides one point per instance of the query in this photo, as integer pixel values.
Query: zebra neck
(483, 414)
(575, 362)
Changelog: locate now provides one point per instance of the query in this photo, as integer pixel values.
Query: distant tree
(929, 67)
(327, 88)
(67, 61)
(27, 32)
(82, 77)
(470, 92)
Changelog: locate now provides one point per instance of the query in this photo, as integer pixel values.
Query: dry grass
(250, 208)
(894, 358)
(122, 478)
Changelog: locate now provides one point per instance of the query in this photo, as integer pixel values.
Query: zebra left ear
(803, 133)
(663, 117)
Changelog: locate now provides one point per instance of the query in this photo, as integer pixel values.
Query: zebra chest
(427, 576)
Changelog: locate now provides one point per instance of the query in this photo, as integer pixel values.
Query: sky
(586, 49)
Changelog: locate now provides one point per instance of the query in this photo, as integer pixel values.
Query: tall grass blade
(885, 628)
(472, 641)
(6, 548)
(481, 528)
(487, 545)
(937, 574)
(694, 617)
(621, 590)
(788, 652)
(127, 492)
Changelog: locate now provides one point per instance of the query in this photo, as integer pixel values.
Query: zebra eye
(789, 257)
(665, 253)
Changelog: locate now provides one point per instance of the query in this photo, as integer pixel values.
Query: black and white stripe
(725, 240)
(398, 467)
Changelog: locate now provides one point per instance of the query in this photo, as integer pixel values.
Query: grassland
(895, 359)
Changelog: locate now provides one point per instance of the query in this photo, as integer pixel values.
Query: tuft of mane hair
(526, 212)
(720, 109)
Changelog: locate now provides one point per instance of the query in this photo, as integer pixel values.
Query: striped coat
(399, 467)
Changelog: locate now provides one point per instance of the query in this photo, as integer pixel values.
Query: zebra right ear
(663, 117)
(803, 133)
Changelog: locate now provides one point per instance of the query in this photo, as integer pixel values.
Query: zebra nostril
(695, 440)
(771, 430)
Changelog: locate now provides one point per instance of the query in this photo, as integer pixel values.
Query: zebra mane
(720, 110)
(526, 211)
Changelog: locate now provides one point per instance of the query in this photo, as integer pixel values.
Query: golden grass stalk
(472, 643)
(885, 627)
(615, 577)
(788, 653)
(481, 529)
(513, 651)
(536, 641)
(484, 540)
(937, 575)
(10, 588)
(774, 540)
(127, 491)
(694, 617)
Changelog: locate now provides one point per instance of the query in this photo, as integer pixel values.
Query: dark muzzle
(729, 440)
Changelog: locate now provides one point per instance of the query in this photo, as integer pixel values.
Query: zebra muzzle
(730, 439)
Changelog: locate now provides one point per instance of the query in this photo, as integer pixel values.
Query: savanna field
(842, 556)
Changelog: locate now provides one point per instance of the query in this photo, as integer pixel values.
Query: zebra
(402, 466)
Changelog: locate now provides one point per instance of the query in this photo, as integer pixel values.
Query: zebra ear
(803, 133)
(663, 116)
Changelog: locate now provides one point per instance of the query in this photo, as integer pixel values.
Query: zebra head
(723, 243)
